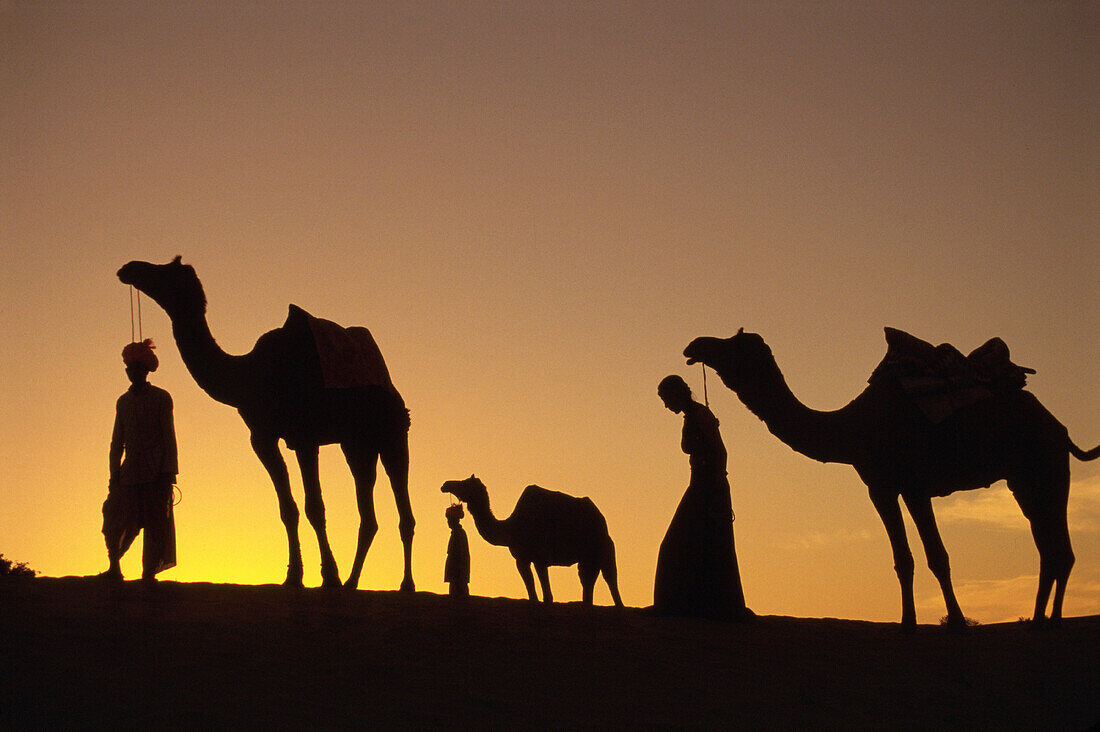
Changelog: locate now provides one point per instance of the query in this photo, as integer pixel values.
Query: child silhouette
(457, 570)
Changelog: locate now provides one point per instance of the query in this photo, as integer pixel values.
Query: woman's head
(674, 392)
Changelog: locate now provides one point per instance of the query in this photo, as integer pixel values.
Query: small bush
(8, 568)
(970, 622)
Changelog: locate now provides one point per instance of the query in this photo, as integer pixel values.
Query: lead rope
(139, 337)
(706, 401)
(177, 492)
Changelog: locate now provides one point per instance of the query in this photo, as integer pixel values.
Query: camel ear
(473, 477)
(177, 260)
(740, 331)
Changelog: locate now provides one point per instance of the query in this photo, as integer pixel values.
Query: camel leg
(266, 448)
(315, 512)
(588, 573)
(395, 459)
(921, 511)
(887, 506)
(544, 580)
(528, 579)
(611, 572)
(364, 468)
(1055, 562)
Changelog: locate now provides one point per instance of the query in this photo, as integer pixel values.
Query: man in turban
(143, 470)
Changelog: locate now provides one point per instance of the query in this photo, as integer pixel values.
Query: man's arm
(168, 429)
(117, 447)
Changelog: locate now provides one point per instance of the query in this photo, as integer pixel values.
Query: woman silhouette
(697, 571)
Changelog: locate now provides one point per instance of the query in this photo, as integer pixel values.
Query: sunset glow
(534, 207)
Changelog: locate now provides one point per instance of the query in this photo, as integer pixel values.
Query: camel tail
(1082, 455)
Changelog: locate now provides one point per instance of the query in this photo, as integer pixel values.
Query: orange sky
(534, 207)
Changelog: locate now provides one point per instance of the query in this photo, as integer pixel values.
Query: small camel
(546, 528)
(898, 451)
(290, 387)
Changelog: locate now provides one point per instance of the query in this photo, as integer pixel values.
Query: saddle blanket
(941, 380)
(349, 356)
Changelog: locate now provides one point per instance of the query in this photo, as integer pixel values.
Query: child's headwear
(141, 353)
(455, 511)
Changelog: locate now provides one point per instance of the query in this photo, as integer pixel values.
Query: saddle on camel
(941, 380)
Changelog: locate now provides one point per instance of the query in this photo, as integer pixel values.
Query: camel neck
(489, 526)
(823, 436)
(217, 373)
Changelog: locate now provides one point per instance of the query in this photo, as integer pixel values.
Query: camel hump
(940, 379)
(349, 357)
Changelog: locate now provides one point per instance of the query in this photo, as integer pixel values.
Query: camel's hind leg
(363, 462)
(395, 459)
(267, 450)
(611, 572)
(315, 512)
(921, 511)
(1055, 562)
(1046, 512)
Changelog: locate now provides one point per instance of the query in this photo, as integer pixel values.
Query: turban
(455, 511)
(141, 353)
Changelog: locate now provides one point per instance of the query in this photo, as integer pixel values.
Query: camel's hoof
(1041, 622)
(293, 577)
(407, 585)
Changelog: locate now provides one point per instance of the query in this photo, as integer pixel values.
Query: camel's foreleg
(364, 469)
(886, 503)
(920, 508)
(524, 568)
(544, 580)
(395, 460)
(315, 512)
(267, 450)
(588, 572)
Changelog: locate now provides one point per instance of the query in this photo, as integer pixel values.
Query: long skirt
(697, 573)
(131, 508)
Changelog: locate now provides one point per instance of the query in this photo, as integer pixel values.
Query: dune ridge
(81, 653)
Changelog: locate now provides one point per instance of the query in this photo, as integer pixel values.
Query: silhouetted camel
(897, 451)
(280, 391)
(546, 528)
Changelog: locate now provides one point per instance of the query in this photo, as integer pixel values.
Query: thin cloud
(1004, 600)
(998, 508)
(818, 539)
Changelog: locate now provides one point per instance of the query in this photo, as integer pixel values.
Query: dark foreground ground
(77, 653)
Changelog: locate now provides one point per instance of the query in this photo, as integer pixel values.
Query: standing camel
(546, 528)
(310, 383)
(898, 451)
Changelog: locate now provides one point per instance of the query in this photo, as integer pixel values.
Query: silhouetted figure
(546, 529)
(906, 441)
(697, 574)
(311, 383)
(456, 573)
(143, 470)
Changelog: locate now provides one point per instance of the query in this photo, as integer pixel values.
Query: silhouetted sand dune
(80, 653)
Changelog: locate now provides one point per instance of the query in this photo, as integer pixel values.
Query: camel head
(736, 359)
(173, 286)
(470, 489)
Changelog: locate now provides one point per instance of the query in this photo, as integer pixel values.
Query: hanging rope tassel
(706, 400)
